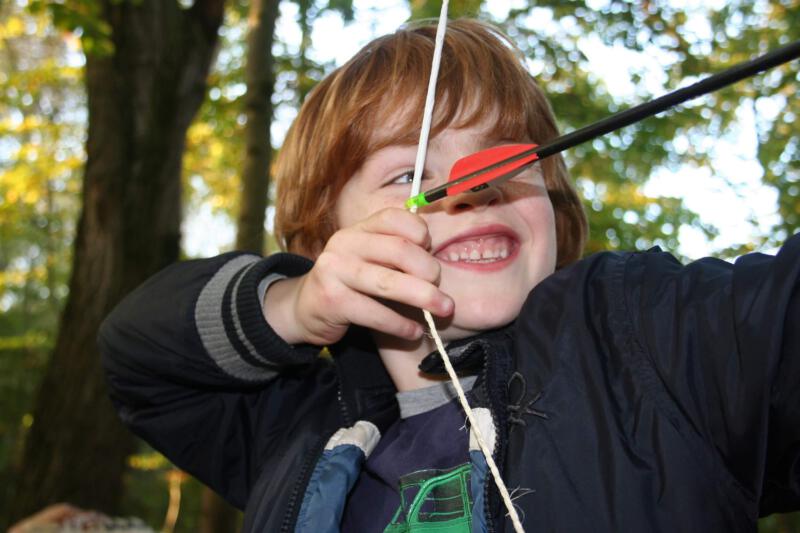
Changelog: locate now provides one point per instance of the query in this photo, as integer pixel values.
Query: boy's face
(494, 246)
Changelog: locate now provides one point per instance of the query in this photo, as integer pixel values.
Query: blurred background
(134, 133)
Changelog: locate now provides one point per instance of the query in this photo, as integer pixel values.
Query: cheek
(538, 217)
(536, 213)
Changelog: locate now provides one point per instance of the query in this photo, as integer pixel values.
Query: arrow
(478, 171)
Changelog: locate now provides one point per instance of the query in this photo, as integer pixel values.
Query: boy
(624, 393)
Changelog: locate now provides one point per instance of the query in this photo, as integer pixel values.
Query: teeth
(482, 250)
(475, 255)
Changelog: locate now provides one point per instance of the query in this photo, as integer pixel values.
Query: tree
(38, 178)
(146, 66)
(260, 78)
(688, 43)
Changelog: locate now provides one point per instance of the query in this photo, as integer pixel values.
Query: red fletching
(484, 159)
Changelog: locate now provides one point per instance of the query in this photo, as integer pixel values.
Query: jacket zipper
(343, 407)
(487, 485)
(346, 418)
(306, 470)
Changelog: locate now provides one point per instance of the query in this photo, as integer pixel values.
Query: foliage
(690, 43)
(422, 9)
(41, 152)
(738, 28)
(81, 17)
(42, 114)
(687, 42)
(147, 497)
(215, 147)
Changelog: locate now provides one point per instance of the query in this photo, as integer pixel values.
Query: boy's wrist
(278, 306)
(265, 284)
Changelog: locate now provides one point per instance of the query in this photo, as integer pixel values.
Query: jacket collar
(368, 393)
(467, 355)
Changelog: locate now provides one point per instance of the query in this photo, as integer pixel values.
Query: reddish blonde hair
(482, 73)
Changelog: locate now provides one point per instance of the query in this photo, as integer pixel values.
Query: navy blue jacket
(631, 394)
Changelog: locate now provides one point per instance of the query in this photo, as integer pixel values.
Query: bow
(415, 186)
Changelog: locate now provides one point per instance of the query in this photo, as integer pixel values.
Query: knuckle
(432, 270)
(327, 294)
(360, 270)
(336, 241)
(423, 265)
(420, 230)
(385, 216)
(384, 281)
(322, 259)
(411, 329)
(399, 327)
(430, 297)
(326, 262)
(406, 251)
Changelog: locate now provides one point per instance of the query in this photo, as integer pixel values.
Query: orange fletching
(484, 159)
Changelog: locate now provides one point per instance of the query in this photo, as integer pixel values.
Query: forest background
(128, 128)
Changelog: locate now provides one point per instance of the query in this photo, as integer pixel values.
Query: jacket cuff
(251, 315)
(231, 323)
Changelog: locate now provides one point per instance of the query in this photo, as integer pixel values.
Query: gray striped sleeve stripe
(237, 324)
(208, 318)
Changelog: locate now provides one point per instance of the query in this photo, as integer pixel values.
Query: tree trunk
(217, 516)
(258, 108)
(141, 99)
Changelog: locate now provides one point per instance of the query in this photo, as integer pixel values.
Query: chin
(482, 314)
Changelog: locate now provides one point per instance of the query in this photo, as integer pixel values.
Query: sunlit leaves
(41, 154)
(83, 18)
(215, 143)
(687, 42)
(41, 135)
(421, 9)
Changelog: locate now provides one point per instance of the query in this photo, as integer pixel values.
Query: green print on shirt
(434, 500)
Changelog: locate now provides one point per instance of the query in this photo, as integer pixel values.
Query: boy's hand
(383, 257)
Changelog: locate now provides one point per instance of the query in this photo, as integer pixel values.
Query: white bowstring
(419, 164)
(427, 115)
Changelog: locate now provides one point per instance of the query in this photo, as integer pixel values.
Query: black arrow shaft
(635, 114)
(662, 103)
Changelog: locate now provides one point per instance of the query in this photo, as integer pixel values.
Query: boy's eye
(403, 179)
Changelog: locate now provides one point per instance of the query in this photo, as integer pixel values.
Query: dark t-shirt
(423, 445)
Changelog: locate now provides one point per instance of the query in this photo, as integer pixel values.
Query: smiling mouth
(483, 250)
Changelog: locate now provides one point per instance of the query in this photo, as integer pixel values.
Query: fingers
(391, 237)
(398, 222)
(329, 306)
(379, 281)
(371, 314)
(383, 258)
(399, 254)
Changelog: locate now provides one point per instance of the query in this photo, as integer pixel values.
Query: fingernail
(447, 306)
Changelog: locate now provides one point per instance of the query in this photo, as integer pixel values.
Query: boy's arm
(193, 367)
(725, 340)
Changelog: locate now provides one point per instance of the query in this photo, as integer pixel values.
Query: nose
(472, 200)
